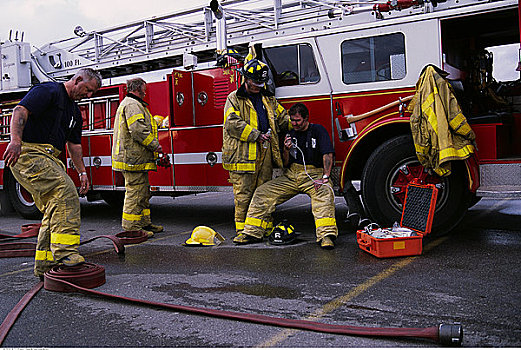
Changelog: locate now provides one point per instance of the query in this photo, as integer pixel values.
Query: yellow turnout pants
(281, 189)
(244, 185)
(41, 173)
(136, 208)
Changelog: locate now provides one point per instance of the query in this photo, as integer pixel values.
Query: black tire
(114, 198)
(21, 200)
(388, 171)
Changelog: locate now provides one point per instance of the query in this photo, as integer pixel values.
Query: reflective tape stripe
(134, 118)
(456, 153)
(230, 111)
(431, 117)
(239, 225)
(246, 132)
(256, 222)
(252, 151)
(420, 149)
(325, 222)
(132, 217)
(280, 109)
(43, 255)
(239, 167)
(149, 139)
(460, 125)
(123, 166)
(63, 238)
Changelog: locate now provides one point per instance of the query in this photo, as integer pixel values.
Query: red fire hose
(86, 276)
(27, 249)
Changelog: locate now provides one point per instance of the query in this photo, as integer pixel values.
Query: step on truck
(353, 63)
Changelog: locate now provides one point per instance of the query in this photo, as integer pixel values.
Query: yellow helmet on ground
(203, 235)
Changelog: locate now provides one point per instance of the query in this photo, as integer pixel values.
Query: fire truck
(353, 63)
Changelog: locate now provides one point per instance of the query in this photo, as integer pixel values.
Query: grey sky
(44, 21)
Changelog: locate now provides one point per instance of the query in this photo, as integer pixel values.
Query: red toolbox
(417, 214)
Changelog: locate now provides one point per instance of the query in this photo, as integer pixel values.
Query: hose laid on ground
(11, 250)
(87, 275)
(445, 334)
(15, 312)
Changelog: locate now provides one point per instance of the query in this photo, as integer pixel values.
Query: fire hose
(27, 249)
(86, 276)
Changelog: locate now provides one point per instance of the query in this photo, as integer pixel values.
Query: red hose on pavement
(444, 334)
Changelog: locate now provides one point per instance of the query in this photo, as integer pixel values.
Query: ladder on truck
(162, 41)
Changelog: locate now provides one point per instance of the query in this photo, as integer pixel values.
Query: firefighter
(252, 121)
(308, 163)
(135, 148)
(42, 123)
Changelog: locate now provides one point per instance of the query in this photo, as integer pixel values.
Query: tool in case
(407, 238)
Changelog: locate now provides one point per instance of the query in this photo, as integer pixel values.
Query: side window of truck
(377, 58)
(292, 65)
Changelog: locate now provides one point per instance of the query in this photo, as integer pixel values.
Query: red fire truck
(354, 64)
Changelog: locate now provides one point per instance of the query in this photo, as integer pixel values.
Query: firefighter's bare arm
(76, 153)
(285, 151)
(14, 148)
(327, 159)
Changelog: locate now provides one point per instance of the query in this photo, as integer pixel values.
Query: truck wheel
(21, 200)
(114, 198)
(389, 170)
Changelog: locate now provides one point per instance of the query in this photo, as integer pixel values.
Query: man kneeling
(307, 170)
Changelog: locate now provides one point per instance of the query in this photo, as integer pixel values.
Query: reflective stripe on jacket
(440, 130)
(240, 149)
(135, 137)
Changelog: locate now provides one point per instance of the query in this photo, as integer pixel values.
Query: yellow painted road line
(356, 291)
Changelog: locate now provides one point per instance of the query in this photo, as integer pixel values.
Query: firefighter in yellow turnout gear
(252, 121)
(307, 172)
(135, 147)
(44, 121)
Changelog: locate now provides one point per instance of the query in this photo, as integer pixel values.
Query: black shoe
(246, 239)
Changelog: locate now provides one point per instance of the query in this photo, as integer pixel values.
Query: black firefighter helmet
(255, 70)
(283, 233)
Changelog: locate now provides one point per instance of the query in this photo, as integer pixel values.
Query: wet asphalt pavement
(471, 276)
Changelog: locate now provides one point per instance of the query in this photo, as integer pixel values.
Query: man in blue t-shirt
(308, 160)
(46, 120)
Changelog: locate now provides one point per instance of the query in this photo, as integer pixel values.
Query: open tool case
(417, 214)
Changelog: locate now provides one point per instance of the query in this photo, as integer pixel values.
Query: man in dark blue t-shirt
(46, 120)
(308, 160)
